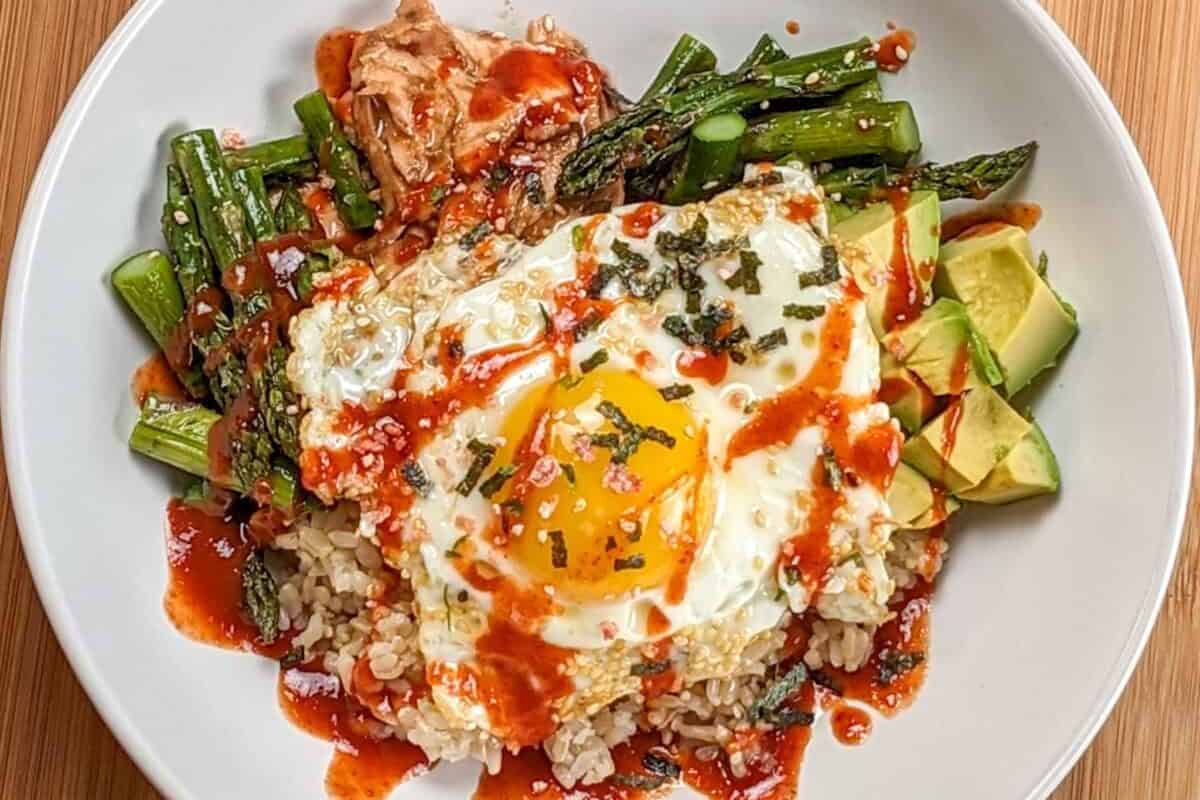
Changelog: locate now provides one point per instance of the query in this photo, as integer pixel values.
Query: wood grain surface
(53, 744)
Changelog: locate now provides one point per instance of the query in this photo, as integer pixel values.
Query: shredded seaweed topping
(547, 320)
(661, 766)
(676, 391)
(497, 481)
(777, 693)
(635, 781)
(558, 549)
(260, 596)
(534, 190)
(803, 312)
(415, 477)
(594, 360)
(499, 176)
(746, 277)
(568, 472)
(649, 668)
(632, 435)
(586, 326)
(833, 470)
(635, 561)
(770, 341)
(827, 274)
(483, 454)
(453, 551)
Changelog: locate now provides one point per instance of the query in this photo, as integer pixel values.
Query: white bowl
(1044, 608)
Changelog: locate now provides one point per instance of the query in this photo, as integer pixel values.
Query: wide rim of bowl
(1037, 21)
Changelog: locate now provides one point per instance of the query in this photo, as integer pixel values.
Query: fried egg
(656, 422)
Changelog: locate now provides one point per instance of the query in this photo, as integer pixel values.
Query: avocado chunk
(1020, 316)
(869, 240)
(907, 397)
(963, 444)
(945, 350)
(915, 503)
(1029, 470)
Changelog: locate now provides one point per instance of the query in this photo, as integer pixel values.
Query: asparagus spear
(221, 217)
(291, 215)
(282, 158)
(147, 284)
(652, 131)
(766, 51)
(178, 434)
(711, 158)
(886, 130)
(326, 137)
(688, 57)
(870, 91)
(251, 189)
(193, 264)
(974, 178)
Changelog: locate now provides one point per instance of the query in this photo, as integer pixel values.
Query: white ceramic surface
(1043, 609)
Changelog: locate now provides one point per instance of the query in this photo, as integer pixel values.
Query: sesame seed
(863, 123)
(492, 136)
(901, 53)
(543, 536)
(764, 105)
(580, 505)
(848, 59)
(548, 23)
(292, 410)
(813, 78)
(836, 197)
(760, 518)
(180, 218)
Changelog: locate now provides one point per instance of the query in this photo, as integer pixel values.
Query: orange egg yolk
(592, 527)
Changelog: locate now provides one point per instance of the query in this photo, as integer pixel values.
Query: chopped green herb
(635, 561)
(1043, 265)
(894, 663)
(827, 274)
(475, 235)
(649, 668)
(791, 574)
(415, 477)
(833, 471)
(570, 380)
(533, 189)
(746, 278)
(449, 608)
(594, 360)
(578, 238)
(497, 481)
(630, 260)
(260, 596)
(547, 321)
(802, 312)
(770, 341)
(558, 549)
(676, 391)
(438, 194)
(483, 453)
(778, 692)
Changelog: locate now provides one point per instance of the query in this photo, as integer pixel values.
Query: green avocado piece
(1029, 470)
(907, 397)
(963, 444)
(910, 495)
(1020, 316)
(869, 240)
(944, 350)
(912, 501)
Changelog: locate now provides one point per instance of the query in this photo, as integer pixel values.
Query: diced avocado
(869, 240)
(1029, 470)
(908, 398)
(1019, 315)
(936, 515)
(910, 495)
(944, 350)
(915, 504)
(964, 443)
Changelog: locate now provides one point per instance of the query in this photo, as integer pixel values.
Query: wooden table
(52, 743)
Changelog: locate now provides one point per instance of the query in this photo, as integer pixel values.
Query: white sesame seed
(901, 53)
(501, 224)
(863, 123)
(292, 410)
(203, 308)
(764, 105)
(181, 218)
(813, 78)
(548, 23)
(580, 505)
(848, 59)
(836, 197)
(492, 136)
(542, 536)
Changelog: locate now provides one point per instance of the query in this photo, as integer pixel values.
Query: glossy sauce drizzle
(990, 219)
(905, 290)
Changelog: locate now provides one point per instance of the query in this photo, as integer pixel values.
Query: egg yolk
(590, 510)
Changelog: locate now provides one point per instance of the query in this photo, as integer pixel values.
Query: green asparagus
(221, 217)
(251, 189)
(282, 158)
(766, 51)
(886, 130)
(710, 161)
(193, 264)
(339, 159)
(974, 178)
(147, 284)
(177, 434)
(291, 215)
(651, 132)
(870, 91)
(688, 57)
